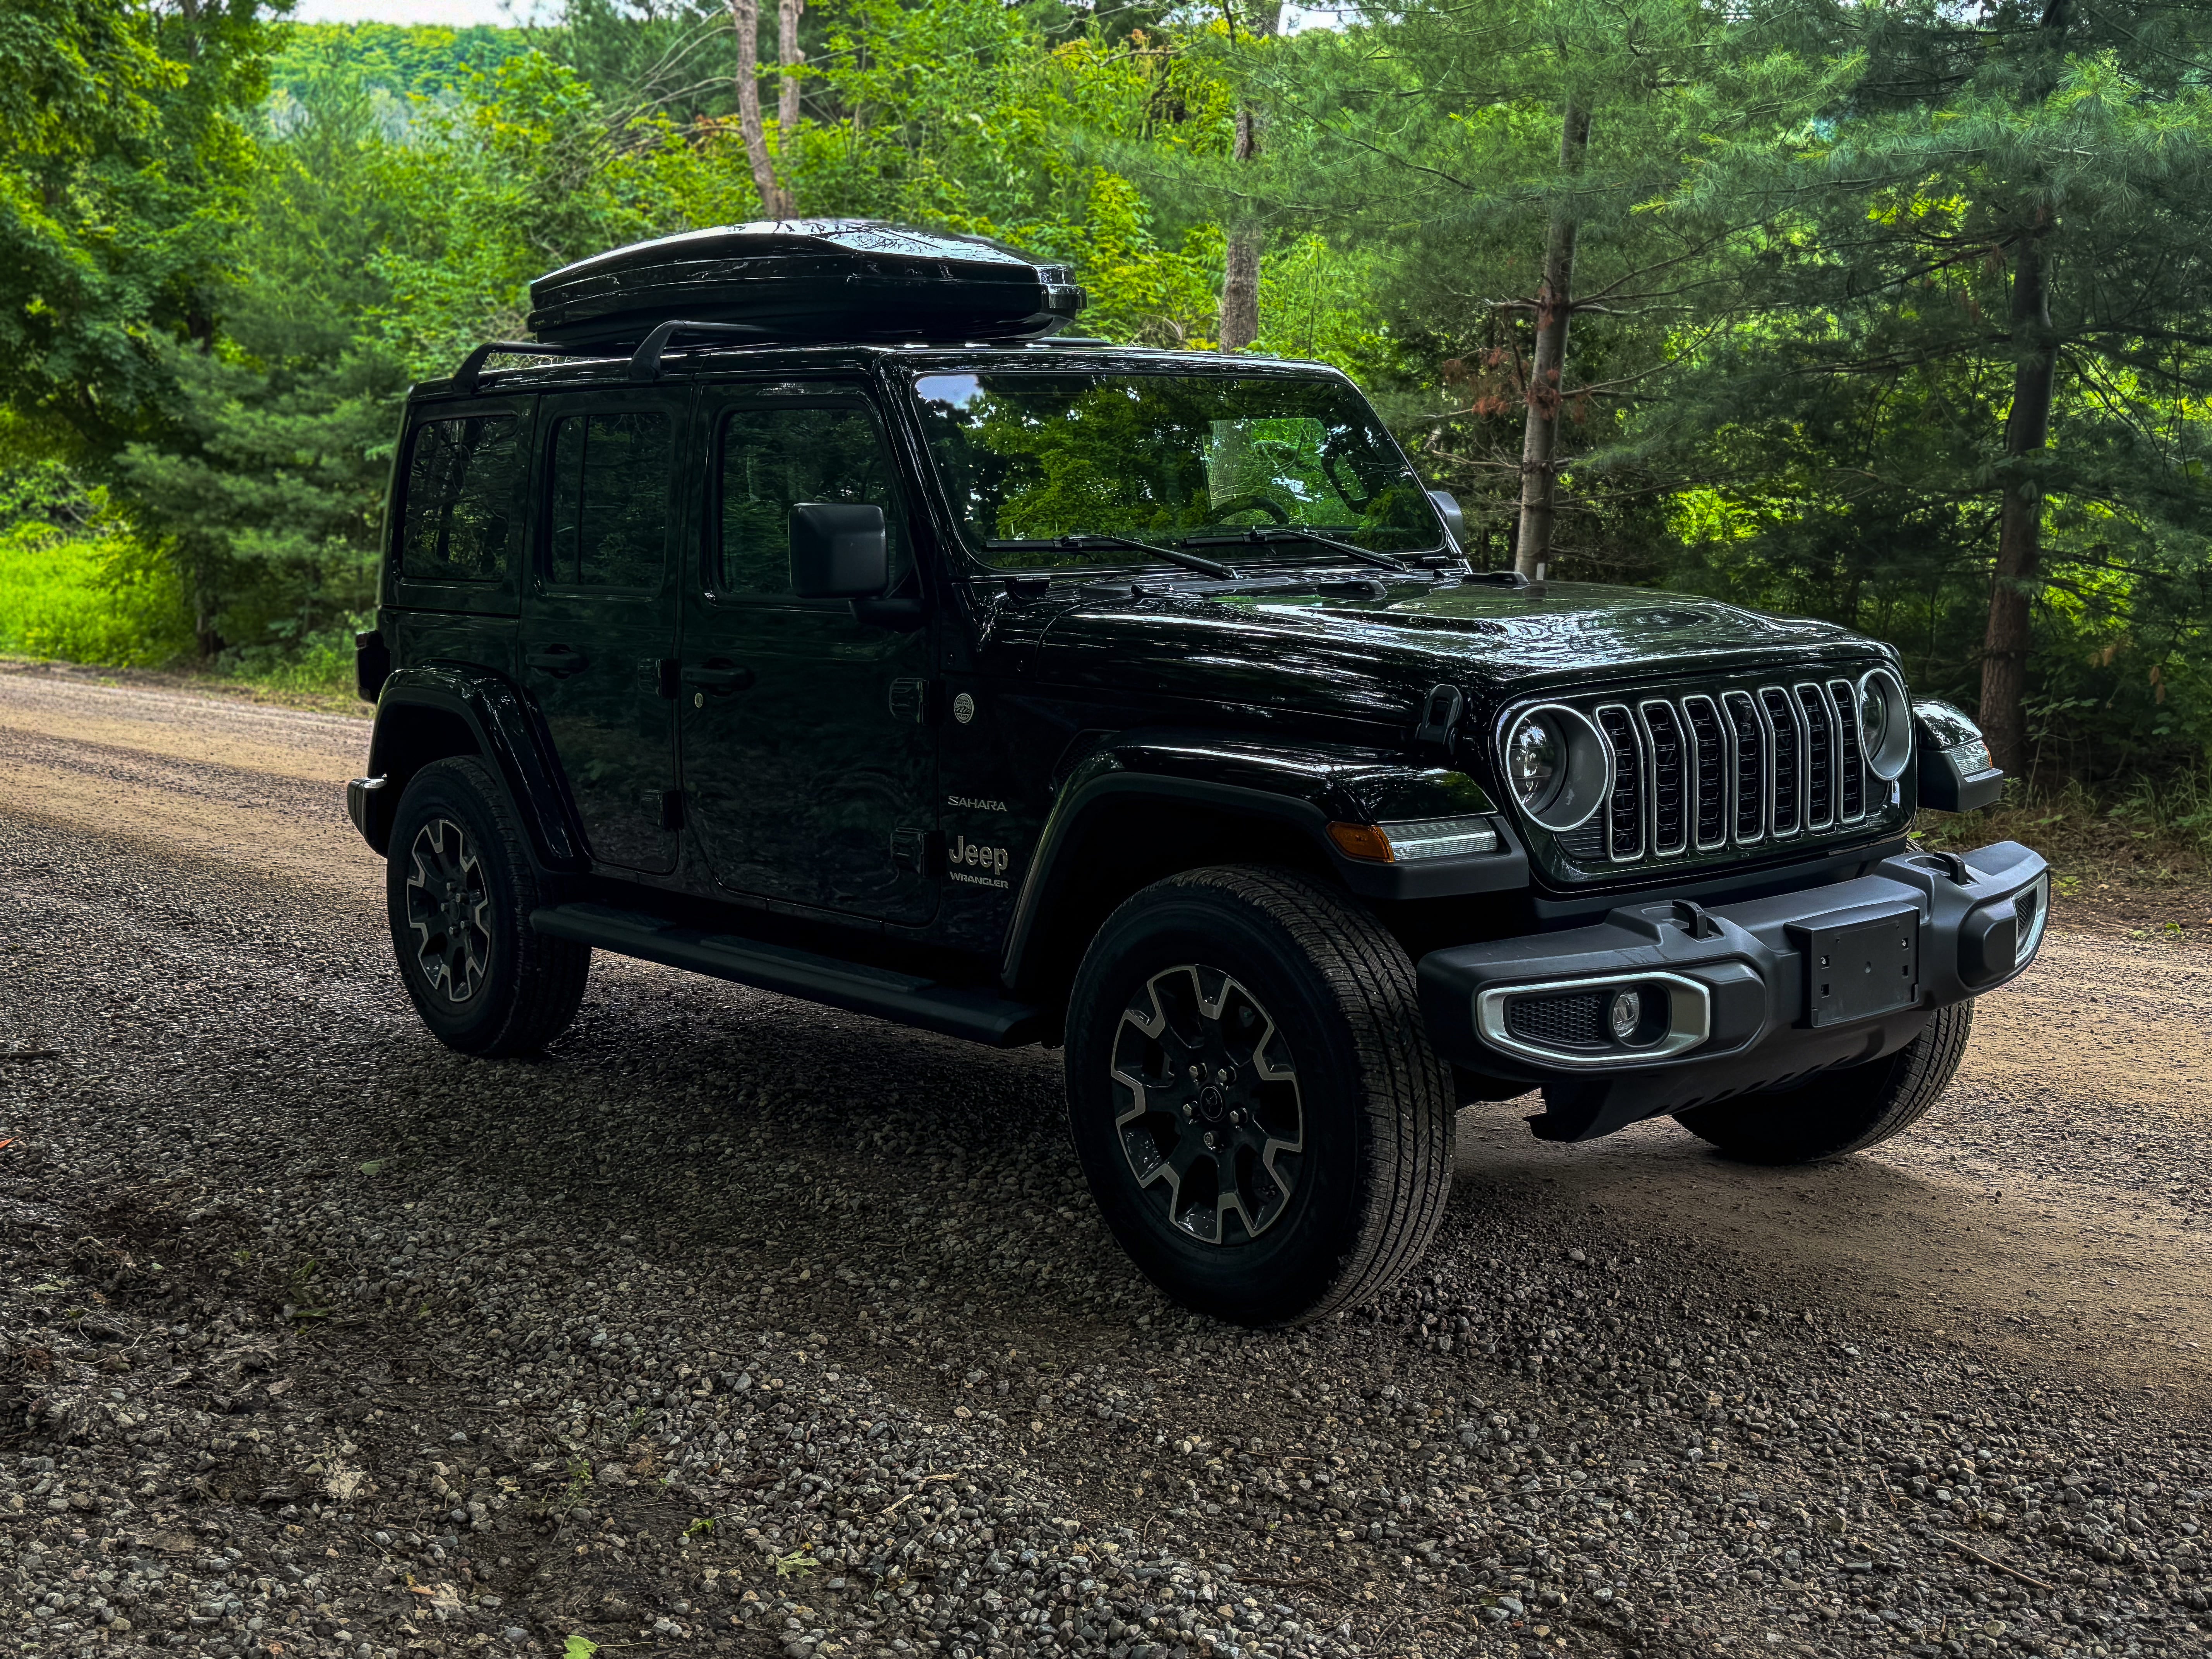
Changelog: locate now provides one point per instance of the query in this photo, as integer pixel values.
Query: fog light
(1624, 1015)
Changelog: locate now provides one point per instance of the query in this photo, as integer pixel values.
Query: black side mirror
(839, 550)
(1447, 509)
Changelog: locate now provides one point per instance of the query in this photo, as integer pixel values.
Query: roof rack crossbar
(645, 361)
(471, 369)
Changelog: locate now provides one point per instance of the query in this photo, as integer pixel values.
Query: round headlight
(1535, 762)
(1557, 765)
(1885, 724)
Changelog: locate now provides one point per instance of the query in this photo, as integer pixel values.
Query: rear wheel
(1254, 1097)
(1844, 1111)
(458, 890)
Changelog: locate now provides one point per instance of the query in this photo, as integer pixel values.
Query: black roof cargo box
(807, 279)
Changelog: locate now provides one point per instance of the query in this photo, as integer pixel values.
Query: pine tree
(1247, 237)
(2001, 221)
(1502, 153)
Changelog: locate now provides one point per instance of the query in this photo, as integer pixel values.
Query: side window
(457, 516)
(775, 455)
(609, 518)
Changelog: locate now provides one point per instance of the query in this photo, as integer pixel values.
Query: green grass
(96, 597)
(104, 599)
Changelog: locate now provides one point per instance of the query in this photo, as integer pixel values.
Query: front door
(599, 623)
(808, 766)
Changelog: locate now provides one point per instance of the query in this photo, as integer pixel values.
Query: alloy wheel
(449, 908)
(1208, 1111)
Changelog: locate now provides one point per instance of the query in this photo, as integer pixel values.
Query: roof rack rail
(471, 369)
(645, 361)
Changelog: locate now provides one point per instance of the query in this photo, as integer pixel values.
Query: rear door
(599, 628)
(808, 764)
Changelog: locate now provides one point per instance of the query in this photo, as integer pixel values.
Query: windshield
(1187, 460)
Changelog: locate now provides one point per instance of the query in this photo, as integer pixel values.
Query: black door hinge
(670, 679)
(921, 851)
(672, 809)
(909, 701)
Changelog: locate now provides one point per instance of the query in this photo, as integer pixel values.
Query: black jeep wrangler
(801, 610)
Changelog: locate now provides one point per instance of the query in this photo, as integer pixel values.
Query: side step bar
(980, 1016)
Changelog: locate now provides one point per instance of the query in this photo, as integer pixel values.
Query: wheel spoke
(449, 910)
(1207, 1104)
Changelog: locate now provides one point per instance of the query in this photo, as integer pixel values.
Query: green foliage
(102, 597)
(1851, 417)
(122, 160)
(399, 63)
(225, 248)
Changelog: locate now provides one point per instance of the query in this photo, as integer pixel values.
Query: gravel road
(734, 1326)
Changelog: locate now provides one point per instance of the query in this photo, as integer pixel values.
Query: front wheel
(1836, 1113)
(1253, 1094)
(458, 888)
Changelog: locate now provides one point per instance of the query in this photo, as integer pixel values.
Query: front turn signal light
(1414, 840)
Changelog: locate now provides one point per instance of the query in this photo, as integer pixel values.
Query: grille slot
(1852, 804)
(1572, 1021)
(1820, 757)
(1710, 770)
(1786, 775)
(1623, 805)
(1670, 820)
(1748, 781)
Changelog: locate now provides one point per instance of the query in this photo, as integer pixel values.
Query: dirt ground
(750, 1327)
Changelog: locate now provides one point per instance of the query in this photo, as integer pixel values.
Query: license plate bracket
(1858, 968)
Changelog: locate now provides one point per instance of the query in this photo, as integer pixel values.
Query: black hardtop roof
(689, 364)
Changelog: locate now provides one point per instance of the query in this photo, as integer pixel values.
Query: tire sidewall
(1835, 1114)
(1288, 1267)
(460, 790)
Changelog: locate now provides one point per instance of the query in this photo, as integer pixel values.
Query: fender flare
(1303, 790)
(506, 731)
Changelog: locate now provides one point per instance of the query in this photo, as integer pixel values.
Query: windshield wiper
(1101, 538)
(1258, 536)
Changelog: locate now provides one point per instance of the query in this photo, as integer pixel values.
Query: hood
(1375, 656)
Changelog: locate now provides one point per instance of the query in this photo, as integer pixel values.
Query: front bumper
(1743, 997)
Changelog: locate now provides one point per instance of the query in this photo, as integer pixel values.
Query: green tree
(1994, 233)
(266, 475)
(124, 161)
(1500, 159)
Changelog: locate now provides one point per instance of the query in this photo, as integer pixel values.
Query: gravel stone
(737, 1326)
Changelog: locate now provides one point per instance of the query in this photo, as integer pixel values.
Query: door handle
(558, 659)
(719, 674)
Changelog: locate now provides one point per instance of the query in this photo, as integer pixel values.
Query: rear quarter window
(458, 514)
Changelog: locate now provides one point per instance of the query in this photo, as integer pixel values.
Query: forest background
(1895, 312)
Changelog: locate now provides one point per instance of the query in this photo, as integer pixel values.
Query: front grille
(1699, 772)
(1572, 1021)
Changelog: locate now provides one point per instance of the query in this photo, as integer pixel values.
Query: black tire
(1837, 1113)
(1324, 1189)
(458, 888)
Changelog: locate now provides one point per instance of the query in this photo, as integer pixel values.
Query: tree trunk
(745, 14)
(787, 53)
(2020, 519)
(1540, 437)
(1240, 269)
